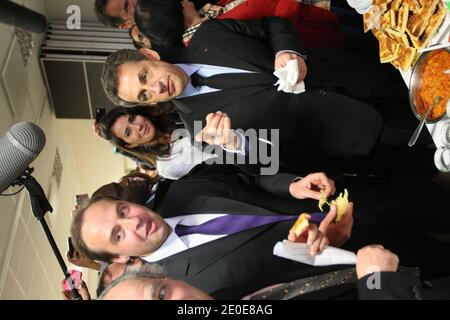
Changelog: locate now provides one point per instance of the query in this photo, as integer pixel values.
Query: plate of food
(428, 80)
(403, 28)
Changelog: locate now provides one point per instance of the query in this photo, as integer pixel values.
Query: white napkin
(288, 78)
(361, 6)
(300, 252)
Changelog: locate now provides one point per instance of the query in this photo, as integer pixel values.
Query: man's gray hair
(146, 271)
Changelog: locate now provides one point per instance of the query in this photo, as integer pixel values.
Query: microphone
(19, 16)
(21, 144)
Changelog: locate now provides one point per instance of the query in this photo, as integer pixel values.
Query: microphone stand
(40, 206)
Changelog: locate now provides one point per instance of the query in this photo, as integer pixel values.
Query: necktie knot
(197, 80)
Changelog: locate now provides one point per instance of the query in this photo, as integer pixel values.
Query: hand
(218, 131)
(313, 236)
(375, 258)
(283, 58)
(83, 292)
(309, 187)
(338, 233)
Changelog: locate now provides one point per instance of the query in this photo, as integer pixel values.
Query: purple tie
(230, 224)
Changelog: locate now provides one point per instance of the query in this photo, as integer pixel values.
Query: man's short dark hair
(110, 80)
(104, 17)
(77, 240)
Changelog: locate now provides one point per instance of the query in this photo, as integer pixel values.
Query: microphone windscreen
(21, 144)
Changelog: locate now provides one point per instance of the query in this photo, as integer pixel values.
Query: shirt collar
(189, 69)
(171, 246)
(175, 244)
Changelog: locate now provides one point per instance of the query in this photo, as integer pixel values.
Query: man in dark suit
(332, 116)
(243, 262)
(376, 271)
(197, 262)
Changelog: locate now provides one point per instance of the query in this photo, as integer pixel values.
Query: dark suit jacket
(321, 118)
(241, 263)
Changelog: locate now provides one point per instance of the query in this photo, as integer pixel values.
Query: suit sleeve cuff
(303, 56)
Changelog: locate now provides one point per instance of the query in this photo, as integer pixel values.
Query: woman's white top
(182, 158)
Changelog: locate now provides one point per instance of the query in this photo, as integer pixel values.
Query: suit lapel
(206, 53)
(160, 194)
(195, 260)
(202, 52)
(199, 106)
(199, 204)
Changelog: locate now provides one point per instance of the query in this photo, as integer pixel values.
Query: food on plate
(434, 24)
(405, 58)
(435, 82)
(389, 48)
(402, 24)
(402, 20)
(418, 22)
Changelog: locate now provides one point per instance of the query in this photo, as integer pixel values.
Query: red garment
(316, 27)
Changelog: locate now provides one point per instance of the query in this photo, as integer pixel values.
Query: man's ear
(121, 259)
(151, 54)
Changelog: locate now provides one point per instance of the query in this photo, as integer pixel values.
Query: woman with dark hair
(166, 23)
(159, 125)
(148, 135)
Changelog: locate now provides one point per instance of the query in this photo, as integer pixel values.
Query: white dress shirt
(184, 156)
(205, 71)
(175, 244)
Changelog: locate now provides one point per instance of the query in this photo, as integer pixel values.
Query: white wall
(28, 268)
(56, 9)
